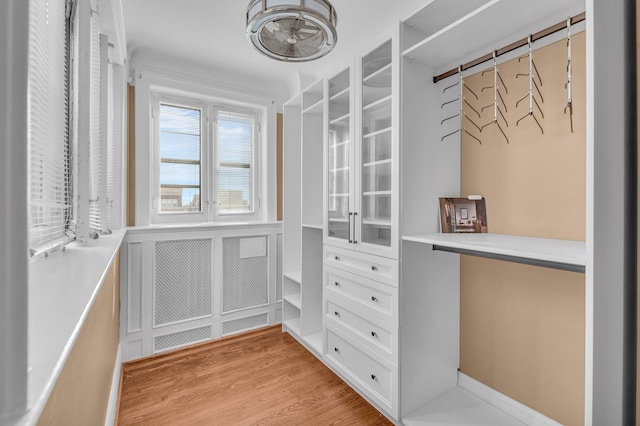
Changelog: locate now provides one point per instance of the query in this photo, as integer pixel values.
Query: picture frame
(463, 215)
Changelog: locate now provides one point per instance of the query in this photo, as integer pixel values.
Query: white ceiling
(209, 35)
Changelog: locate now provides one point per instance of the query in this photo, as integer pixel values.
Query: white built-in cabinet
(387, 302)
(362, 156)
(302, 216)
(361, 268)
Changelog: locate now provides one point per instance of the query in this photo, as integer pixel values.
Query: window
(180, 139)
(235, 142)
(50, 193)
(205, 159)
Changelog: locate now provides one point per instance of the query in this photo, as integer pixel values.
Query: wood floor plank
(264, 377)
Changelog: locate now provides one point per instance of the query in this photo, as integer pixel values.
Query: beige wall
(522, 327)
(81, 394)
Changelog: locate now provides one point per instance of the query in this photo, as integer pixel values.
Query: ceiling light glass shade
(292, 30)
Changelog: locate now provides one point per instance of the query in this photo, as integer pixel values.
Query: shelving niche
(435, 39)
(302, 214)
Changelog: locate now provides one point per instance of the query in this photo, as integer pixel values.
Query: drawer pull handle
(336, 313)
(336, 350)
(337, 284)
(336, 257)
(373, 268)
(374, 334)
(373, 377)
(374, 299)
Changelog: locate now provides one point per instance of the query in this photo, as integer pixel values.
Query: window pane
(234, 189)
(235, 153)
(180, 140)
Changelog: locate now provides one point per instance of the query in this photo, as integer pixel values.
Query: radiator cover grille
(182, 280)
(244, 324)
(245, 278)
(181, 338)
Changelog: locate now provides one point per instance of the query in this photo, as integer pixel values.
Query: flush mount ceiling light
(292, 30)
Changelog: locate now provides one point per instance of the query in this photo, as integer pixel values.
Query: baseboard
(112, 408)
(519, 411)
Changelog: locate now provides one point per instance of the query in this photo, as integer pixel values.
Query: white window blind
(96, 151)
(236, 134)
(110, 185)
(49, 184)
(180, 158)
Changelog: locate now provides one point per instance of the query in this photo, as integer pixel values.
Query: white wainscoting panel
(182, 285)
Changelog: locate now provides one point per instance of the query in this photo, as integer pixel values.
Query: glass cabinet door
(339, 161)
(375, 189)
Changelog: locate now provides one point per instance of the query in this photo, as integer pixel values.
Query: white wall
(14, 35)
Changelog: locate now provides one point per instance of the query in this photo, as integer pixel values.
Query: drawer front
(375, 378)
(373, 267)
(379, 336)
(375, 298)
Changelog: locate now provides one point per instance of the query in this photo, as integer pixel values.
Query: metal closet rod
(523, 42)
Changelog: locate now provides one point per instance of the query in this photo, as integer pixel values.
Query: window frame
(157, 216)
(254, 180)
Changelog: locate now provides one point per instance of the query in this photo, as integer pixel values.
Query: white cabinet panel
(373, 267)
(373, 297)
(374, 376)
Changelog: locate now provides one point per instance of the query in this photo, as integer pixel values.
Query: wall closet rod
(522, 42)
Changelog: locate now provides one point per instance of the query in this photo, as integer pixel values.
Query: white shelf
(339, 119)
(547, 252)
(339, 144)
(459, 407)
(375, 193)
(316, 108)
(338, 220)
(377, 222)
(341, 93)
(377, 163)
(293, 299)
(293, 325)
(385, 102)
(314, 341)
(294, 276)
(376, 133)
(501, 19)
(312, 225)
(376, 78)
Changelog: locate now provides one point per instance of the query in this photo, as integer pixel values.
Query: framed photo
(462, 215)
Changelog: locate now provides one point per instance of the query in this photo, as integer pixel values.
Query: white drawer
(376, 378)
(379, 336)
(373, 267)
(375, 298)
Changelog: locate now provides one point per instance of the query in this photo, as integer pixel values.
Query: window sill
(200, 226)
(62, 286)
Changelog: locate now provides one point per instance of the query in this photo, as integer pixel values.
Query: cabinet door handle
(374, 268)
(349, 227)
(354, 228)
(337, 284)
(373, 377)
(336, 313)
(374, 334)
(336, 258)
(336, 350)
(374, 299)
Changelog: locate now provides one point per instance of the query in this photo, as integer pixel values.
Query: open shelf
(314, 341)
(293, 325)
(293, 299)
(461, 407)
(550, 253)
(312, 225)
(294, 276)
(502, 19)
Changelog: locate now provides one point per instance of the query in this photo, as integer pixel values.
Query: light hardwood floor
(264, 377)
